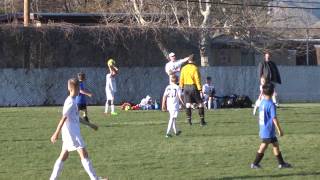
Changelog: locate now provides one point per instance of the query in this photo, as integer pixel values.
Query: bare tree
(210, 18)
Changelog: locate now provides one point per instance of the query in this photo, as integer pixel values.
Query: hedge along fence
(65, 45)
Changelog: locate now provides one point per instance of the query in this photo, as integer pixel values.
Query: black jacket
(270, 71)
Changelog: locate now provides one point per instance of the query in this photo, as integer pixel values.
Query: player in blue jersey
(268, 122)
(82, 103)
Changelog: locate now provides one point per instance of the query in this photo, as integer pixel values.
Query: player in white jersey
(173, 66)
(111, 89)
(170, 102)
(71, 138)
(208, 92)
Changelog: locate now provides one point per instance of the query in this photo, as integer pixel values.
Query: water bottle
(156, 105)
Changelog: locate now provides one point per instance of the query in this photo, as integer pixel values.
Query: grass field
(132, 145)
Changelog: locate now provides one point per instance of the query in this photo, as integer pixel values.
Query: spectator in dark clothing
(270, 72)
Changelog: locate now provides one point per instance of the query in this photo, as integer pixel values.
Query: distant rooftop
(290, 17)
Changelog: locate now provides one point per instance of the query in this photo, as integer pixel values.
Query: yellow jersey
(190, 75)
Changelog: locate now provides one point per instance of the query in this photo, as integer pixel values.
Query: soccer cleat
(86, 118)
(94, 127)
(114, 113)
(178, 133)
(255, 166)
(168, 135)
(203, 123)
(284, 165)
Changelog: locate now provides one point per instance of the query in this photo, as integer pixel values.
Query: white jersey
(173, 92)
(175, 66)
(208, 89)
(110, 83)
(71, 136)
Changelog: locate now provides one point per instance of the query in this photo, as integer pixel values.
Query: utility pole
(26, 13)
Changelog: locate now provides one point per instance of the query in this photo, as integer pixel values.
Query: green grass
(132, 145)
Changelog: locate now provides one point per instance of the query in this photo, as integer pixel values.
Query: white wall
(49, 86)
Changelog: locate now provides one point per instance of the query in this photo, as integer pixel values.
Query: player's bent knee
(83, 153)
(64, 156)
(275, 145)
(263, 147)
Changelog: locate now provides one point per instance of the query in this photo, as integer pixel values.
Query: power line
(290, 1)
(252, 5)
(258, 28)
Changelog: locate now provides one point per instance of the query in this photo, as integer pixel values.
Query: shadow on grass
(21, 140)
(306, 113)
(125, 124)
(292, 107)
(268, 176)
(300, 122)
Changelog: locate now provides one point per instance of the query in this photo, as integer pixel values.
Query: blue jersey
(267, 112)
(81, 98)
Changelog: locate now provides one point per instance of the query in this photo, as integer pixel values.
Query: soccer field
(132, 145)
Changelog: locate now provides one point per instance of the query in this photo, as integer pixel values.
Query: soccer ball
(127, 108)
(111, 62)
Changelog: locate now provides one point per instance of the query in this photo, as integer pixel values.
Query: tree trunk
(205, 47)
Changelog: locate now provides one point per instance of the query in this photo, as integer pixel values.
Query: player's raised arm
(112, 66)
(182, 61)
(114, 69)
(55, 135)
(278, 127)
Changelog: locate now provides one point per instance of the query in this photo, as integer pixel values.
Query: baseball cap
(171, 54)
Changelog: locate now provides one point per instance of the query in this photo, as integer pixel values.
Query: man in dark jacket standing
(269, 70)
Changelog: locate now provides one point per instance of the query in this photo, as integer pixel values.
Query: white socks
(57, 168)
(209, 103)
(87, 165)
(172, 123)
(112, 108)
(106, 107)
